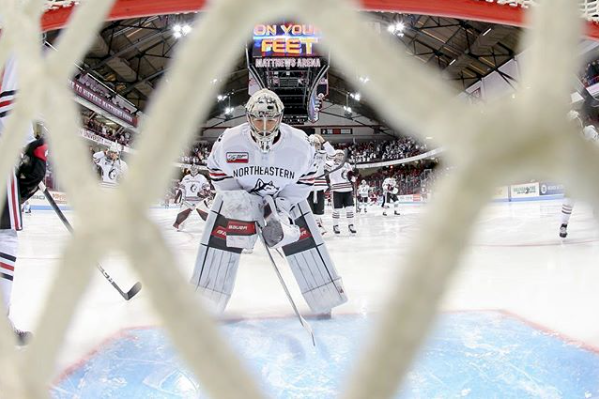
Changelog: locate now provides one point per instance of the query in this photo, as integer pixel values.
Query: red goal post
(506, 12)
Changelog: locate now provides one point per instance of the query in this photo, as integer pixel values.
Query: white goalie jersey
(191, 186)
(286, 171)
(111, 171)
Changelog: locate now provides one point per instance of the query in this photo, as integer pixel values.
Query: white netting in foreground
(488, 145)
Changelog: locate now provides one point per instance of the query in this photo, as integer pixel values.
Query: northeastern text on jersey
(264, 171)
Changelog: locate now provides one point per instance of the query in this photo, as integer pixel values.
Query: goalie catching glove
(32, 168)
(280, 229)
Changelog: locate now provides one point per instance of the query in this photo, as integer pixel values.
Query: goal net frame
(488, 145)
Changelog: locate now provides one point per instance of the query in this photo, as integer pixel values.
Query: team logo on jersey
(264, 188)
(238, 157)
(114, 174)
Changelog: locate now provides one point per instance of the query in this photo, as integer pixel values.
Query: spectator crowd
(120, 136)
(388, 150)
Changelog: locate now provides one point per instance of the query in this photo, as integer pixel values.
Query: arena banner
(429, 154)
(548, 188)
(101, 102)
(288, 40)
(38, 199)
(525, 190)
(98, 139)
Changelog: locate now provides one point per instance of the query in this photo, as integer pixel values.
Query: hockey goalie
(263, 171)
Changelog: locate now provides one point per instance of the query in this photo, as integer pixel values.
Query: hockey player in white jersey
(342, 179)
(322, 150)
(263, 170)
(390, 191)
(363, 196)
(196, 192)
(589, 133)
(110, 165)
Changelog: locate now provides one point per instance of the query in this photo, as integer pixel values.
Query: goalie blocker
(224, 239)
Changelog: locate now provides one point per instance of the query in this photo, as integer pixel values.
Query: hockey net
(488, 145)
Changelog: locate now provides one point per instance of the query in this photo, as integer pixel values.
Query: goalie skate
(312, 266)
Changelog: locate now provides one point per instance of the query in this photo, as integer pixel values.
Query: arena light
(397, 28)
(229, 110)
(181, 30)
(356, 96)
(221, 97)
(364, 79)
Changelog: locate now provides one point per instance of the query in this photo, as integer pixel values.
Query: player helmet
(363, 182)
(315, 141)
(114, 151)
(339, 156)
(193, 170)
(264, 113)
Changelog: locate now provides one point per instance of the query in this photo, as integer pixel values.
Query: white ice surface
(516, 262)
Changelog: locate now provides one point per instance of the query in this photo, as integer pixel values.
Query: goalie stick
(126, 295)
(302, 321)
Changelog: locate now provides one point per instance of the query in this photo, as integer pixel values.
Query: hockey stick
(127, 295)
(302, 321)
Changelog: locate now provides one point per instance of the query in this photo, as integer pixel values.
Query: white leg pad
(216, 264)
(312, 266)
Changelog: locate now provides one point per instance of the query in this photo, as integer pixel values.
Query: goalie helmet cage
(507, 12)
(400, 88)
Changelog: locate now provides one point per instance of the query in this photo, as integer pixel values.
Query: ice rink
(519, 320)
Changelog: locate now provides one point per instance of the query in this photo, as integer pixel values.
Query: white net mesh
(488, 145)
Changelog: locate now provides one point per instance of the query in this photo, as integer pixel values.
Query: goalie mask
(264, 112)
(194, 171)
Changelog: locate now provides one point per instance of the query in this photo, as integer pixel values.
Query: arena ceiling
(131, 56)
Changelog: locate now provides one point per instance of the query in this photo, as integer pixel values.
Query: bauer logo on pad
(238, 157)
